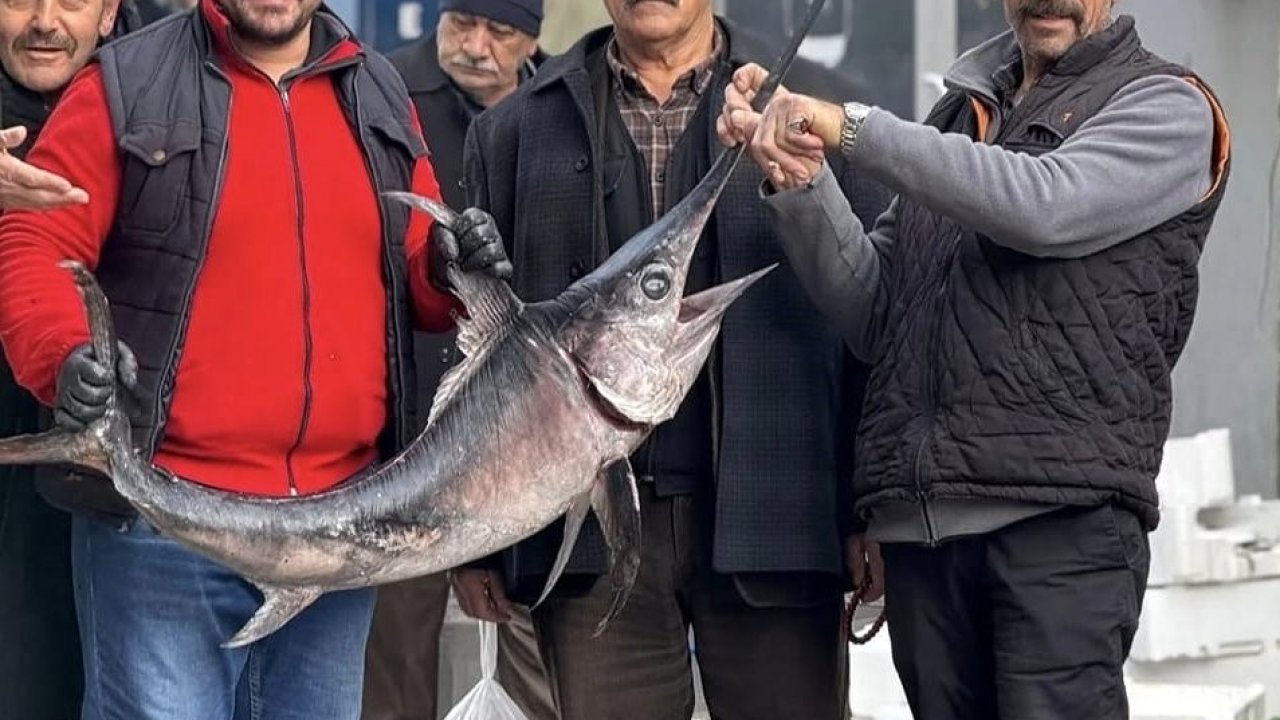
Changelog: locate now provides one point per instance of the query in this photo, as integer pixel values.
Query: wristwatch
(855, 114)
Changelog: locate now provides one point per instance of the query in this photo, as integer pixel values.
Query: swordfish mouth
(701, 314)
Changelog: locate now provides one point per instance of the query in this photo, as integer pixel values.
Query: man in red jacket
(265, 296)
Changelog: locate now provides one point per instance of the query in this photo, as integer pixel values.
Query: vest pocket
(1048, 386)
(155, 178)
(1037, 138)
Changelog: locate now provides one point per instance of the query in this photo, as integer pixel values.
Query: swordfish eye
(655, 282)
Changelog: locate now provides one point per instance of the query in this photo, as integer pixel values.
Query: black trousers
(1031, 622)
(755, 663)
(40, 672)
(40, 669)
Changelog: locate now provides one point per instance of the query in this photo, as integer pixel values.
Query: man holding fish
(264, 296)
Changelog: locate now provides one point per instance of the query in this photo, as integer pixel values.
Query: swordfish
(536, 423)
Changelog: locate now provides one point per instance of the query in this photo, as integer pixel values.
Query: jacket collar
(742, 48)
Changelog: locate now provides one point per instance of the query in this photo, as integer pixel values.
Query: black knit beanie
(523, 15)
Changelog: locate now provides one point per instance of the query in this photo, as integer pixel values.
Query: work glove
(474, 246)
(85, 385)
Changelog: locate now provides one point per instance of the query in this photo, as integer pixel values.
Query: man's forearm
(1142, 160)
(838, 263)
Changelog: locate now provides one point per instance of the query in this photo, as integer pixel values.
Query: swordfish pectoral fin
(572, 526)
(617, 506)
(279, 606)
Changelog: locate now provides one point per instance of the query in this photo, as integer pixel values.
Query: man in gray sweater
(1023, 303)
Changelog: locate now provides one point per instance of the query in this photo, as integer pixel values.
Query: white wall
(1228, 375)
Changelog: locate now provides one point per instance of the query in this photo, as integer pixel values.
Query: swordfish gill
(536, 423)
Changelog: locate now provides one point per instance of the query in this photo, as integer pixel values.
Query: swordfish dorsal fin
(490, 306)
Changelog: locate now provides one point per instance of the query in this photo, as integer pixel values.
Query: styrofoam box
(1149, 701)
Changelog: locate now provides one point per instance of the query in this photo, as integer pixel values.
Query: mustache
(45, 41)
(462, 59)
(1051, 8)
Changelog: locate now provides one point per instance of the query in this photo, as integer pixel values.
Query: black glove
(85, 385)
(475, 246)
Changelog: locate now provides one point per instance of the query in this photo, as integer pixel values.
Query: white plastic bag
(866, 615)
(487, 700)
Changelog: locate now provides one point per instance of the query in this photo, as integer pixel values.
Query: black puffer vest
(169, 105)
(1015, 377)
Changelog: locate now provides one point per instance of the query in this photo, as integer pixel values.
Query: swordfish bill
(534, 424)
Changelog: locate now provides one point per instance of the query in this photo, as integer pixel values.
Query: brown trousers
(403, 660)
(754, 663)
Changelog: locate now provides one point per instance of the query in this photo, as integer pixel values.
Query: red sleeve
(42, 318)
(432, 307)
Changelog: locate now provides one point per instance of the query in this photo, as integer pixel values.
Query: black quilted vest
(169, 105)
(1015, 377)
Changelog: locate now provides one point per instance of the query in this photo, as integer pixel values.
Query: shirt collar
(697, 79)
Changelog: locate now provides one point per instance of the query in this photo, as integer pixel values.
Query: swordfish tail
(60, 447)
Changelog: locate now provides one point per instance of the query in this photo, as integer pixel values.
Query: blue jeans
(153, 615)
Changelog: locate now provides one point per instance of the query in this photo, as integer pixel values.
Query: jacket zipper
(931, 535)
(308, 341)
(935, 331)
(308, 390)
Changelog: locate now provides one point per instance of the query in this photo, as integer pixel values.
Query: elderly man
(42, 45)
(479, 54)
(740, 491)
(1023, 302)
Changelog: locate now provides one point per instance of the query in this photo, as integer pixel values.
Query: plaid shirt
(655, 128)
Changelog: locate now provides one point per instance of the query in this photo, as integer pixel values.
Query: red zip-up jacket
(281, 384)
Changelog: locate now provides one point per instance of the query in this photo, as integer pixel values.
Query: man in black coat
(40, 673)
(480, 52)
(742, 493)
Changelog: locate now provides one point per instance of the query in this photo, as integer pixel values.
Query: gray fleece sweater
(1145, 158)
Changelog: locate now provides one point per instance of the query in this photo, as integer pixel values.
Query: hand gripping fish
(536, 423)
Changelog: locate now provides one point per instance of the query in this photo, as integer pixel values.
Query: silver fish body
(491, 467)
